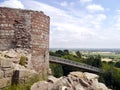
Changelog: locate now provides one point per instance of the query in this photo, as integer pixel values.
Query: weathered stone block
(5, 82)
(6, 63)
(41, 85)
(1, 74)
(23, 73)
(79, 87)
(8, 73)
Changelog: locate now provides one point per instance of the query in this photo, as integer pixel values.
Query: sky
(78, 23)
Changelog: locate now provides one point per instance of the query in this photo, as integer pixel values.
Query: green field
(107, 55)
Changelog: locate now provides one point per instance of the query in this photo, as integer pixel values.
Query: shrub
(117, 64)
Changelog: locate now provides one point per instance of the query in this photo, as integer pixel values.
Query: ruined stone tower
(26, 29)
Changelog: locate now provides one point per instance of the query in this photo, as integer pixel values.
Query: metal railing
(74, 64)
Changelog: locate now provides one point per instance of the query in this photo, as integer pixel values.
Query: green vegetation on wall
(23, 60)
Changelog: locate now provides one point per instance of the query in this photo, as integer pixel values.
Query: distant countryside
(106, 59)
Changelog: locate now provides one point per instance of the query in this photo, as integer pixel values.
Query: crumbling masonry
(26, 29)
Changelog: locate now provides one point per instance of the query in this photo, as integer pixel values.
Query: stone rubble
(74, 81)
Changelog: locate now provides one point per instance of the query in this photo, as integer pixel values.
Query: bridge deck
(74, 64)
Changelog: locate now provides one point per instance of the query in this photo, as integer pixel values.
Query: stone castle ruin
(24, 54)
(26, 29)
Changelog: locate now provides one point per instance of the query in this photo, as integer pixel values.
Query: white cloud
(118, 11)
(85, 1)
(72, 3)
(116, 20)
(67, 28)
(12, 4)
(77, 28)
(94, 8)
(95, 20)
(65, 4)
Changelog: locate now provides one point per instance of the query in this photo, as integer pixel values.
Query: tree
(66, 52)
(94, 61)
(59, 53)
(108, 78)
(57, 70)
(52, 53)
(111, 63)
(97, 61)
(89, 60)
(78, 54)
(117, 64)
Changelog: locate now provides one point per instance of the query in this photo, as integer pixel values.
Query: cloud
(65, 3)
(118, 11)
(95, 20)
(85, 1)
(68, 28)
(12, 4)
(94, 8)
(65, 28)
(116, 20)
(75, 28)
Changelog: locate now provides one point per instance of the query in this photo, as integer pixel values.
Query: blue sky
(78, 23)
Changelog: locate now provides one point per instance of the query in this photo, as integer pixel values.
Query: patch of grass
(23, 60)
(23, 86)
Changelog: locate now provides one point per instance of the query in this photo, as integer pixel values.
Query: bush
(57, 70)
(117, 64)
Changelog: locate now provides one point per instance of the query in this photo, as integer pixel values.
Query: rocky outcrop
(11, 71)
(74, 81)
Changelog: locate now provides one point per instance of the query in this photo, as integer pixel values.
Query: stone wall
(16, 67)
(29, 30)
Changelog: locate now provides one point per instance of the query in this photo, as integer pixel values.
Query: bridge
(83, 66)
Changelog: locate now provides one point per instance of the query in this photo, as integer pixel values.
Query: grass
(23, 60)
(23, 86)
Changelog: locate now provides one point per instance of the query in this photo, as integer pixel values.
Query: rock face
(74, 81)
(12, 70)
(5, 82)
